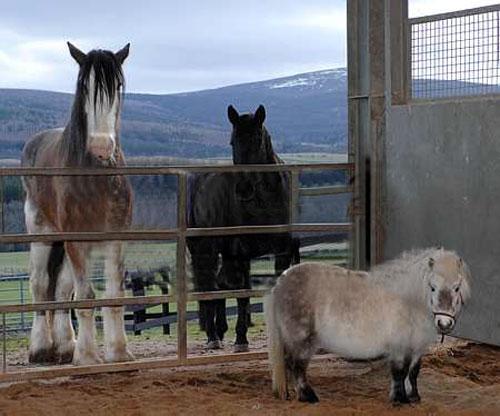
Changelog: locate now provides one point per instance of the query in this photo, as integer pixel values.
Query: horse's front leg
(86, 348)
(399, 372)
(244, 318)
(41, 347)
(62, 327)
(115, 338)
(413, 395)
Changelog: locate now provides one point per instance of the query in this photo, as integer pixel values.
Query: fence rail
(455, 54)
(180, 233)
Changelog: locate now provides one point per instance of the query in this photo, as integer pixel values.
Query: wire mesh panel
(455, 54)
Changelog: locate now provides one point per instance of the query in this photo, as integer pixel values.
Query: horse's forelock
(108, 76)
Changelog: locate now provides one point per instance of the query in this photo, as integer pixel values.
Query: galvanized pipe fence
(179, 234)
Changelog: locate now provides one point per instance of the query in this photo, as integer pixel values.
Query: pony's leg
(297, 366)
(113, 318)
(41, 346)
(413, 395)
(62, 328)
(399, 372)
(86, 348)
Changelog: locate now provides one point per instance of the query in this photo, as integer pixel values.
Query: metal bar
(139, 300)
(67, 371)
(171, 170)
(181, 278)
(168, 234)
(4, 344)
(271, 229)
(171, 234)
(452, 15)
(2, 227)
(293, 199)
(325, 190)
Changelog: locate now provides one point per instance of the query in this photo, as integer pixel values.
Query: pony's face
(247, 138)
(448, 288)
(100, 83)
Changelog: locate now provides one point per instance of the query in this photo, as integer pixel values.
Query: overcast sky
(179, 45)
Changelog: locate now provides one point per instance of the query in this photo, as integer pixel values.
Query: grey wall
(443, 188)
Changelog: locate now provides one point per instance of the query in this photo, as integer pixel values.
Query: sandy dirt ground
(462, 379)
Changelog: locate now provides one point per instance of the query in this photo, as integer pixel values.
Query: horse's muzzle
(444, 322)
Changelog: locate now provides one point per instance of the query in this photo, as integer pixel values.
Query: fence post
(4, 344)
(21, 297)
(181, 267)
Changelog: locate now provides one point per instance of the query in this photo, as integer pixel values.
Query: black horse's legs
(202, 318)
(399, 372)
(413, 396)
(297, 368)
(220, 318)
(209, 307)
(241, 344)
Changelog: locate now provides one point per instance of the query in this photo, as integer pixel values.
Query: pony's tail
(54, 265)
(276, 350)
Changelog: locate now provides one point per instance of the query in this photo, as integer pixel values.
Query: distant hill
(305, 113)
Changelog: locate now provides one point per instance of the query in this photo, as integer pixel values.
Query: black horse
(235, 199)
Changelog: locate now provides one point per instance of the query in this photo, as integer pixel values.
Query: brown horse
(79, 203)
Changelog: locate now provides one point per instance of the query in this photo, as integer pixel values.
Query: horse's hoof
(214, 345)
(414, 398)
(240, 348)
(119, 356)
(308, 395)
(89, 358)
(42, 356)
(64, 357)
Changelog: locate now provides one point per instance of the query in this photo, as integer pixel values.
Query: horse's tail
(276, 350)
(54, 266)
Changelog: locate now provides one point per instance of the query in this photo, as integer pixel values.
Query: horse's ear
(77, 54)
(431, 262)
(232, 115)
(260, 115)
(122, 54)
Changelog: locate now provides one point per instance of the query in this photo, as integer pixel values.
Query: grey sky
(179, 45)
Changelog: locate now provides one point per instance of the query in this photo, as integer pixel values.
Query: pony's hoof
(119, 356)
(214, 345)
(400, 401)
(414, 398)
(42, 356)
(240, 348)
(90, 358)
(308, 395)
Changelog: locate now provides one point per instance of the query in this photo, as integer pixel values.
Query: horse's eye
(457, 288)
(433, 289)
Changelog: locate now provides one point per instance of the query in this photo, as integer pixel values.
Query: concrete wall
(443, 188)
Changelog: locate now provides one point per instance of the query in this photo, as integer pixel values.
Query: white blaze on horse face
(101, 122)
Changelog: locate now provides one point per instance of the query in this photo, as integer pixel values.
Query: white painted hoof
(64, 352)
(86, 358)
(118, 356)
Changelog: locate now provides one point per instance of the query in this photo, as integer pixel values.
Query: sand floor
(463, 379)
